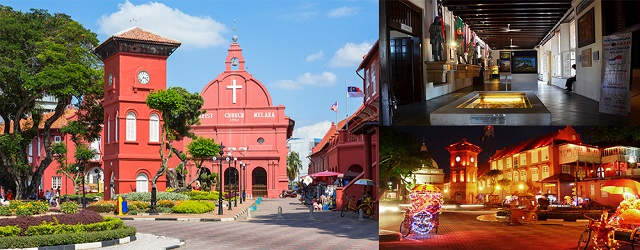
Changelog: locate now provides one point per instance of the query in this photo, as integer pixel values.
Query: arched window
(131, 126)
(454, 176)
(142, 183)
(154, 128)
(461, 175)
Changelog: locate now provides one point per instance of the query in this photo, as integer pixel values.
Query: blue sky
(304, 52)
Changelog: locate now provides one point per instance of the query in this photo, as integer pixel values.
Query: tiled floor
(566, 108)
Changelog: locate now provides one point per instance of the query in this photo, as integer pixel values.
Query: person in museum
(435, 38)
(570, 81)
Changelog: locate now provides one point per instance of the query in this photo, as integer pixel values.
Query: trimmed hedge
(110, 223)
(65, 239)
(82, 217)
(194, 207)
(9, 231)
(203, 195)
(135, 196)
(69, 207)
(102, 206)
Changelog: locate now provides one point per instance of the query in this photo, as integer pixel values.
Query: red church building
(239, 114)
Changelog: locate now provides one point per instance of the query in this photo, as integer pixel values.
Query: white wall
(589, 79)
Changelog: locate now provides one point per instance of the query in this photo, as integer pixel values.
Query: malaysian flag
(353, 91)
(334, 107)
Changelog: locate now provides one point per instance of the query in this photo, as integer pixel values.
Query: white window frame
(566, 169)
(534, 174)
(30, 152)
(545, 172)
(57, 139)
(154, 128)
(515, 176)
(523, 175)
(131, 126)
(56, 182)
(142, 183)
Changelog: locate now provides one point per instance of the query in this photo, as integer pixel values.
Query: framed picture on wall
(505, 65)
(505, 55)
(586, 57)
(525, 64)
(586, 29)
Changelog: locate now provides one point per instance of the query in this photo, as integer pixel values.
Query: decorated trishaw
(422, 216)
(609, 232)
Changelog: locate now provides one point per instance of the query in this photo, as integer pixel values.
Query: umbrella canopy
(621, 186)
(366, 182)
(423, 188)
(350, 175)
(325, 173)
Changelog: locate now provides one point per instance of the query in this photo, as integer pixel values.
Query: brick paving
(265, 231)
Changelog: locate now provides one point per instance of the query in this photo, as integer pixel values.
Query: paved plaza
(263, 230)
(460, 230)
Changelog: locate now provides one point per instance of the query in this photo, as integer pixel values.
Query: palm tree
(294, 165)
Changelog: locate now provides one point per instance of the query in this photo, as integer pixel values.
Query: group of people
(51, 196)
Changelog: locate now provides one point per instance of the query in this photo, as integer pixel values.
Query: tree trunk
(172, 178)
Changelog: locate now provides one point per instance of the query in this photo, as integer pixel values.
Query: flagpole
(336, 118)
(346, 100)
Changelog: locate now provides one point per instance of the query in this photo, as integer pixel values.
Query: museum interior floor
(567, 108)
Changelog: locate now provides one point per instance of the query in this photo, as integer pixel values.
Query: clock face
(143, 77)
(110, 79)
(457, 158)
(471, 159)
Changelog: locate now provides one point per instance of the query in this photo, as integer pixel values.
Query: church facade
(239, 114)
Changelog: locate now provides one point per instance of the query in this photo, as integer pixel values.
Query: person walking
(570, 81)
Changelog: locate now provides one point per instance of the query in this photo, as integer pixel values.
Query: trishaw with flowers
(622, 227)
(423, 214)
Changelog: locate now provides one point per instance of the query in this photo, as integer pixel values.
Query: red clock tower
(464, 171)
(134, 65)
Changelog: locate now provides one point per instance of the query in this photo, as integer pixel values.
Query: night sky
(438, 137)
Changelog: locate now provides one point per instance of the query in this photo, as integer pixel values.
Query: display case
(493, 100)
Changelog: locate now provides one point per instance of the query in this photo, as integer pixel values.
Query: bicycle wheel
(345, 209)
(405, 227)
(366, 210)
(585, 237)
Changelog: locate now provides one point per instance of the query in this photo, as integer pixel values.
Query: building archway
(230, 179)
(259, 182)
(458, 196)
(142, 183)
(355, 168)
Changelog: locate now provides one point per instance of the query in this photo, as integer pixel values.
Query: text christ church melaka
(239, 114)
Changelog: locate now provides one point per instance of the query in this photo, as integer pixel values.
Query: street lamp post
(235, 178)
(220, 180)
(229, 178)
(244, 193)
(240, 181)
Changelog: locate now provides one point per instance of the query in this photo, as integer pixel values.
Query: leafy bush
(138, 205)
(5, 211)
(166, 203)
(135, 196)
(69, 207)
(194, 207)
(103, 206)
(9, 231)
(89, 196)
(202, 195)
(47, 228)
(65, 239)
(164, 210)
(83, 217)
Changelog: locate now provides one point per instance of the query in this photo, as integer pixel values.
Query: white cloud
(317, 130)
(315, 56)
(307, 79)
(350, 55)
(191, 31)
(343, 12)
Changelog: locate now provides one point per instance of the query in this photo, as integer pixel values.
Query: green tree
(625, 135)
(294, 165)
(201, 149)
(42, 55)
(400, 155)
(492, 176)
(180, 110)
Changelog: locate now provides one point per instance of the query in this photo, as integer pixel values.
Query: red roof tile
(137, 33)
(564, 134)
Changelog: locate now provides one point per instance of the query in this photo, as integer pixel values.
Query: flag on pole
(334, 107)
(353, 91)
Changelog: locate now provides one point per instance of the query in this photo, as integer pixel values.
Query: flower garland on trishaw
(426, 205)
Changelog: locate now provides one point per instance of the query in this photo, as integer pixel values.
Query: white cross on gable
(234, 87)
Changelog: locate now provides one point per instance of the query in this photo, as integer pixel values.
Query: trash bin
(125, 209)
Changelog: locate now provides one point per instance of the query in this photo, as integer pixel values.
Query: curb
(182, 242)
(389, 236)
(89, 245)
(234, 218)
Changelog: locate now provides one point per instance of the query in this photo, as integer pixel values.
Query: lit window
(454, 176)
(131, 126)
(545, 172)
(534, 174)
(462, 176)
(600, 172)
(523, 175)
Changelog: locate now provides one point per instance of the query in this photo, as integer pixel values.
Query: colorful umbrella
(366, 182)
(325, 173)
(621, 186)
